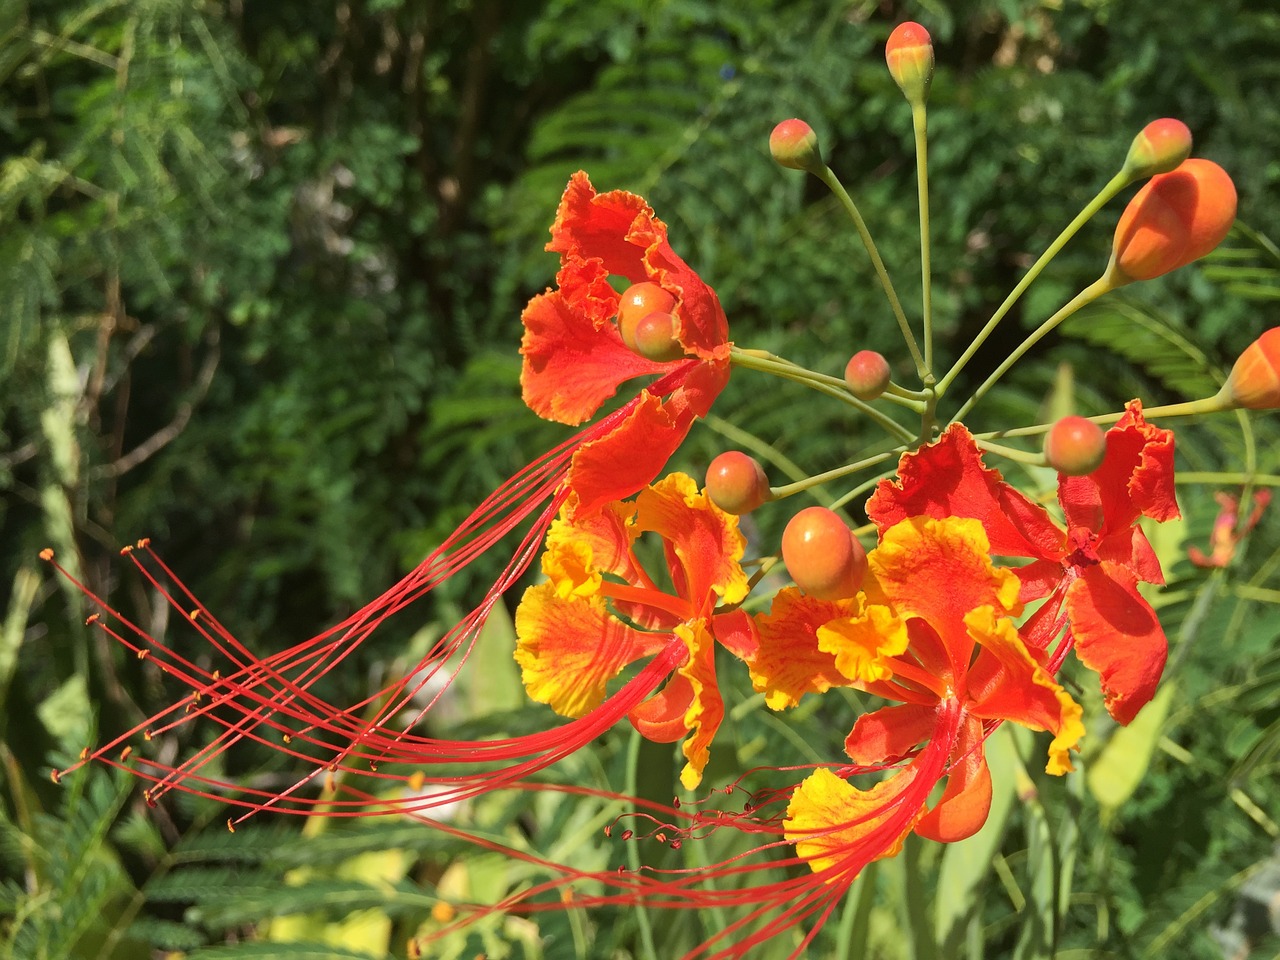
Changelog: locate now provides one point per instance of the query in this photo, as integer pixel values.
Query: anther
(231, 827)
(55, 776)
(46, 554)
(124, 754)
(92, 619)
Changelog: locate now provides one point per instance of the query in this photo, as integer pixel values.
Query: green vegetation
(261, 272)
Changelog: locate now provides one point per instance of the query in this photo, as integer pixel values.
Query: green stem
(1186, 408)
(1229, 478)
(787, 490)
(1118, 183)
(919, 123)
(765, 363)
(1011, 453)
(846, 201)
(1085, 296)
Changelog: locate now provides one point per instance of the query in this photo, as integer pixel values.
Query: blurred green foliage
(261, 268)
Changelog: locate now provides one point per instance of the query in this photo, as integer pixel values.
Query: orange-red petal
(939, 570)
(661, 717)
(570, 367)
(1117, 635)
(1007, 681)
(704, 540)
(890, 733)
(706, 709)
(947, 479)
(966, 800)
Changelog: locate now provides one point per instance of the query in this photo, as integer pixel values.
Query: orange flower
(600, 611)
(575, 357)
(1091, 570)
(954, 662)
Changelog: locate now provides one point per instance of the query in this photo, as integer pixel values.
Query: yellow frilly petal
(833, 823)
(579, 551)
(863, 643)
(569, 649)
(706, 711)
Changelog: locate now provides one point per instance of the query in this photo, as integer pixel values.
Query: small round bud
(736, 483)
(638, 301)
(1255, 379)
(822, 555)
(654, 336)
(794, 144)
(1158, 148)
(909, 54)
(1177, 217)
(867, 374)
(1075, 446)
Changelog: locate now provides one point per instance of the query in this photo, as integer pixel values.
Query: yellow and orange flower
(953, 661)
(600, 611)
(1090, 570)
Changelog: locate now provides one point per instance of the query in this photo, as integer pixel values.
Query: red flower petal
(625, 459)
(661, 717)
(1135, 479)
(947, 479)
(1118, 635)
(890, 733)
(570, 367)
(966, 800)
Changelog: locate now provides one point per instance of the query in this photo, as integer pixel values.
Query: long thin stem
(1187, 408)
(846, 201)
(1085, 296)
(766, 363)
(777, 493)
(919, 123)
(1118, 183)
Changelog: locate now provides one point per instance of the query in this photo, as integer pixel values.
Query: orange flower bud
(1255, 379)
(822, 555)
(1176, 218)
(867, 374)
(638, 301)
(1158, 148)
(736, 483)
(794, 144)
(1075, 446)
(909, 54)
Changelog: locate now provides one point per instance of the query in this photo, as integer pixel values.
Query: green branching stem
(1187, 408)
(800, 486)
(1085, 296)
(919, 123)
(767, 363)
(846, 201)
(1117, 183)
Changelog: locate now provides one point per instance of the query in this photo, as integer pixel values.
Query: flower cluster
(954, 609)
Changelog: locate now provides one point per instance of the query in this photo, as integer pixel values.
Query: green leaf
(1120, 766)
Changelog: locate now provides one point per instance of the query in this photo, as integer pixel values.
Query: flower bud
(637, 302)
(736, 483)
(654, 338)
(1176, 218)
(1255, 379)
(1158, 148)
(867, 374)
(909, 54)
(794, 144)
(1075, 446)
(822, 555)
